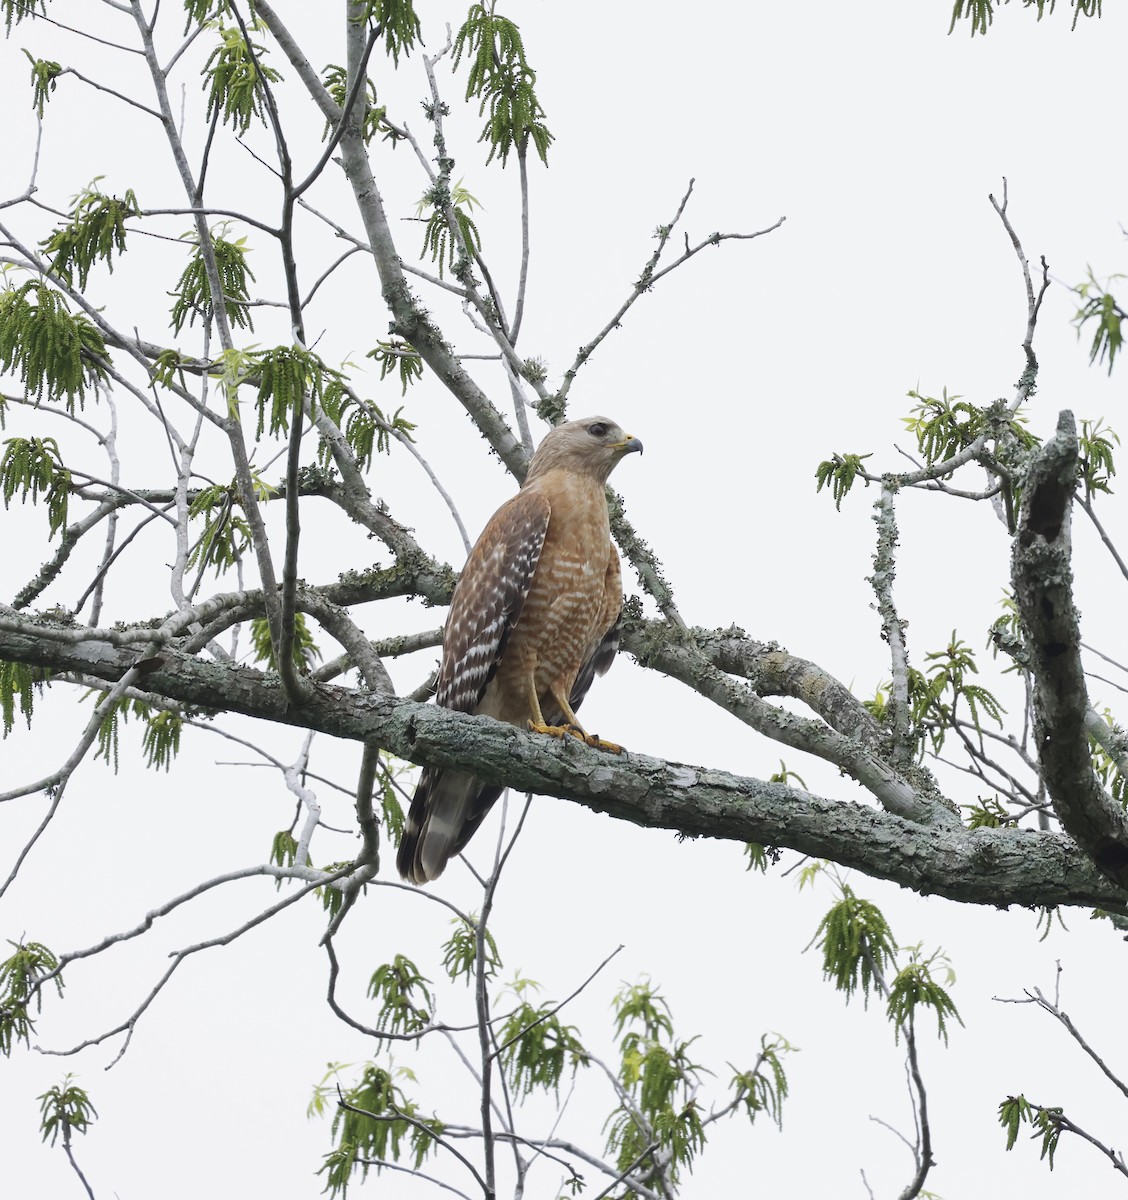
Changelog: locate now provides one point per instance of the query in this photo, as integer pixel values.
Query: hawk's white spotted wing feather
(489, 597)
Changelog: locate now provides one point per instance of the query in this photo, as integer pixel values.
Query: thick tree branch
(982, 866)
(892, 627)
(1043, 588)
(861, 752)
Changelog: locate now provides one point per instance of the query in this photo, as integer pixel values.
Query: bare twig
(647, 279)
(129, 1024)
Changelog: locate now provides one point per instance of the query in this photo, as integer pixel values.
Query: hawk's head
(589, 447)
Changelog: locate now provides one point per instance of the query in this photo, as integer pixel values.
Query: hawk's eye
(597, 429)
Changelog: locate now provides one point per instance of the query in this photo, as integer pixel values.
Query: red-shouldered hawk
(533, 619)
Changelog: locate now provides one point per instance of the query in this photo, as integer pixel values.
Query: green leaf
(943, 427)
(232, 77)
(1046, 1123)
(235, 367)
(193, 295)
(336, 84)
(391, 810)
(284, 852)
(501, 78)
(332, 897)
(1105, 766)
(160, 743)
(287, 374)
(764, 1087)
(437, 239)
(662, 1079)
(878, 707)
(159, 747)
(65, 1109)
(1099, 306)
(326, 1089)
(1097, 466)
(760, 856)
(16, 10)
(981, 13)
(32, 468)
(19, 682)
(398, 22)
(378, 1133)
(914, 987)
(44, 77)
(226, 535)
(810, 872)
(936, 697)
(1005, 633)
(305, 653)
(1013, 1112)
(639, 1004)
(55, 352)
(20, 985)
(838, 473)
(987, 814)
(536, 1047)
(95, 232)
(783, 775)
(460, 951)
(166, 367)
(406, 1003)
(856, 942)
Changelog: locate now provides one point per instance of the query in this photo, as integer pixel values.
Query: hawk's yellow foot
(599, 743)
(576, 731)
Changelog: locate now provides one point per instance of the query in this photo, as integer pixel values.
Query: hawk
(534, 618)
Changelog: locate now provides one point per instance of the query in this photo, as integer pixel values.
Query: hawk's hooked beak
(628, 445)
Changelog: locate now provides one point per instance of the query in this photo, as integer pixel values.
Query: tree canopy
(264, 377)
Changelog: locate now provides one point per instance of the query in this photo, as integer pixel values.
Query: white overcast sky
(879, 138)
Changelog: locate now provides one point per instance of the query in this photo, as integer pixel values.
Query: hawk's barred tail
(446, 810)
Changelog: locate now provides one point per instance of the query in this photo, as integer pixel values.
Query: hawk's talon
(563, 731)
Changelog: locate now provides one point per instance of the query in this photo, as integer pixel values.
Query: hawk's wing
(489, 597)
